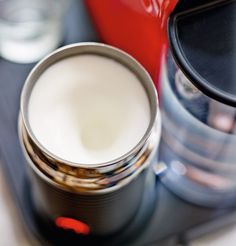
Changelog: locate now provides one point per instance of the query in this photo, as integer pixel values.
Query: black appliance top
(202, 38)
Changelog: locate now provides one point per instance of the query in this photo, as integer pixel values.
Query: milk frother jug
(97, 199)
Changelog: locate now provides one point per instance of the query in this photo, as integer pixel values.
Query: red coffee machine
(136, 26)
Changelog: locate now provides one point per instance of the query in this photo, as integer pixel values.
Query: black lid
(202, 37)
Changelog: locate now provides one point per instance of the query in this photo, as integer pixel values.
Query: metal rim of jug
(93, 177)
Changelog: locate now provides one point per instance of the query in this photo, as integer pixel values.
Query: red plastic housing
(136, 26)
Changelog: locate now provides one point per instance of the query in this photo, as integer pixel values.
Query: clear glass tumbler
(30, 29)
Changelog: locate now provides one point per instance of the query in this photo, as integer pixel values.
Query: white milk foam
(88, 109)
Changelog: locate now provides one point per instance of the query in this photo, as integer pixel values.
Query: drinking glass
(30, 29)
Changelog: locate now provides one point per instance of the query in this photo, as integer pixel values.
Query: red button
(77, 226)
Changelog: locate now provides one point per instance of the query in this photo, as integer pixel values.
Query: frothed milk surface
(88, 109)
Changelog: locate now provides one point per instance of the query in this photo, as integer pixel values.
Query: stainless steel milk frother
(103, 197)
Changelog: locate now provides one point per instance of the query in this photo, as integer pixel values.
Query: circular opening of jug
(89, 104)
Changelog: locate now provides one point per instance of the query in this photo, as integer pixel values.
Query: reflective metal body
(104, 196)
